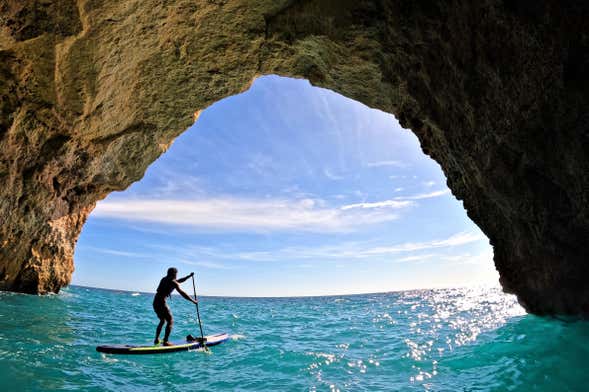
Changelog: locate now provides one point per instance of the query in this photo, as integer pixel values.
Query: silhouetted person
(164, 290)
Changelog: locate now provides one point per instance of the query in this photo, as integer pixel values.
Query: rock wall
(93, 91)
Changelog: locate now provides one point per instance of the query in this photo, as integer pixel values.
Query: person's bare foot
(168, 344)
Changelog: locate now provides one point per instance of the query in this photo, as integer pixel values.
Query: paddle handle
(202, 336)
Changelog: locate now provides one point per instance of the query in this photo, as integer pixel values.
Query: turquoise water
(439, 340)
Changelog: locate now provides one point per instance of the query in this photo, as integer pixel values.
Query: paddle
(202, 337)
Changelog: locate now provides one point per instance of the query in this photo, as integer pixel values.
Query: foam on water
(439, 340)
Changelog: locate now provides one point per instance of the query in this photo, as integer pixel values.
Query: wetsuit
(164, 290)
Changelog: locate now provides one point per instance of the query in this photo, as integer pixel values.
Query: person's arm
(183, 294)
(182, 280)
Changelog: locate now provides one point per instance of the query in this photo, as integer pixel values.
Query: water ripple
(439, 340)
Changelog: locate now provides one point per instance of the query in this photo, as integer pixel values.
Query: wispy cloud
(416, 258)
(167, 255)
(385, 163)
(332, 176)
(207, 264)
(425, 195)
(395, 204)
(115, 252)
(261, 164)
(341, 251)
(234, 214)
(485, 257)
(455, 240)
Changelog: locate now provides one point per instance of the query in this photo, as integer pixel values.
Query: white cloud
(395, 204)
(425, 195)
(173, 184)
(332, 176)
(483, 258)
(385, 163)
(416, 258)
(181, 255)
(114, 252)
(207, 264)
(429, 184)
(343, 251)
(455, 240)
(234, 214)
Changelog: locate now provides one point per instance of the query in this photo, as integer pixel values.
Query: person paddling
(164, 290)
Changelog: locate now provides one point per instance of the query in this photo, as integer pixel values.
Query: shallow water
(439, 340)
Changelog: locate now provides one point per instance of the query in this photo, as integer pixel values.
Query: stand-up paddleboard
(211, 340)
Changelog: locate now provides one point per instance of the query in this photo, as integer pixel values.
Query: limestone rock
(92, 92)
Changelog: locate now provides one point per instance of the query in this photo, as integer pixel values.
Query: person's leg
(169, 325)
(158, 331)
(160, 311)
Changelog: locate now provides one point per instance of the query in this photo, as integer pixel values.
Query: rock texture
(93, 91)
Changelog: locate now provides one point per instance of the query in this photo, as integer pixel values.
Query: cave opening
(287, 190)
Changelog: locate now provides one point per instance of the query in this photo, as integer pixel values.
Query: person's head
(172, 272)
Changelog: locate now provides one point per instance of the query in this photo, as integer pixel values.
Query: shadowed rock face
(92, 92)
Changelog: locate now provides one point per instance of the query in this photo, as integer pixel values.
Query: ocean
(465, 339)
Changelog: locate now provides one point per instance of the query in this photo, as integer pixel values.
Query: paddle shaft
(202, 336)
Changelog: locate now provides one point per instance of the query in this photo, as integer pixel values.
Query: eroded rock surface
(92, 92)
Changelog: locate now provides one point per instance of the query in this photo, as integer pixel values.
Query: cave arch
(279, 188)
(93, 93)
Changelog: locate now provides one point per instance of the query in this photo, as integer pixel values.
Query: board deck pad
(211, 340)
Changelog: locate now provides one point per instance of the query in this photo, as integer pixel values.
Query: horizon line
(295, 296)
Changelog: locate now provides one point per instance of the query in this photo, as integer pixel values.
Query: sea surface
(476, 339)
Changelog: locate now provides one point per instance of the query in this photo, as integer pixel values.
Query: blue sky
(287, 189)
